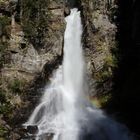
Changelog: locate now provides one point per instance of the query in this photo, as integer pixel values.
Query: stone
(36, 65)
(47, 136)
(66, 11)
(14, 136)
(16, 100)
(32, 129)
(99, 39)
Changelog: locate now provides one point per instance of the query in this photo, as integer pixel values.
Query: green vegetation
(101, 101)
(111, 61)
(6, 109)
(4, 35)
(7, 93)
(4, 23)
(35, 20)
(4, 103)
(4, 20)
(105, 75)
(104, 99)
(3, 131)
(2, 1)
(3, 47)
(16, 86)
(102, 76)
(2, 96)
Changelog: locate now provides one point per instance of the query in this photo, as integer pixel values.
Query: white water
(64, 109)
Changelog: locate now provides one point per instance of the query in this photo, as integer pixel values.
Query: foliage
(2, 96)
(35, 20)
(4, 34)
(3, 102)
(4, 22)
(103, 75)
(3, 1)
(5, 109)
(104, 99)
(106, 74)
(3, 131)
(3, 47)
(5, 106)
(111, 61)
(16, 86)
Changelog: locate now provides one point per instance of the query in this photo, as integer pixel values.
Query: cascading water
(64, 110)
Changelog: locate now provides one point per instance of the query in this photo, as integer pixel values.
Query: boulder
(32, 129)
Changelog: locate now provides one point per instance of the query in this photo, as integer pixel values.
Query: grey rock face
(26, 64)
(24, 57)
(99, 40)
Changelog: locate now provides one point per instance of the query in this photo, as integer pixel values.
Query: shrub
(16, 86)
(2, 96)
(4, 22)
(111, 61)
(3, 131)
(104, 99)
(5, 109)
(35, 20)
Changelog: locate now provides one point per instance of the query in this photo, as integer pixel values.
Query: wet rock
(66, 11)
(47, 136)
(14, 136)
(32, 129)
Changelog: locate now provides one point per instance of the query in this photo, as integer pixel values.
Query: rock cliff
(31, 48)
(31, 40)
(99, 43)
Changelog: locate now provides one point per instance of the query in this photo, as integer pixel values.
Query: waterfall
(64, 110)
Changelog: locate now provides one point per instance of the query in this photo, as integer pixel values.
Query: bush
(105, 99)
(3, 131)
(16, 86)
(5, 109)
(2, 96)
(3, 47)
(4, 55)
(4, 22)
(5, 106)
(35, 20)
(111, 61)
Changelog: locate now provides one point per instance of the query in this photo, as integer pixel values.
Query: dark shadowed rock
(32, 129)
(48, 136)
(66, 11)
